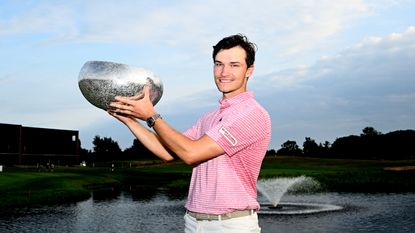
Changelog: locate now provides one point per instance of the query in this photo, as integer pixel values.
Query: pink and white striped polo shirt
(227, 183)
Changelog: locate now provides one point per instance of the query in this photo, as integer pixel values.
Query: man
(226, 146)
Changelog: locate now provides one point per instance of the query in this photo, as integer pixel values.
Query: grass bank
(26, 186)
(345, 175)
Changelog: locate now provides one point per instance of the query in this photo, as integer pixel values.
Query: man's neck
(232, 94)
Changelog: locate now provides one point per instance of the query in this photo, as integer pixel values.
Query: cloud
(46, 18)
(370, 84)
(282, 25)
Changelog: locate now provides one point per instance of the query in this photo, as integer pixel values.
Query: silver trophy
(101, 81)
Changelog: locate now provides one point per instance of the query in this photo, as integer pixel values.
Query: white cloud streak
(289, 27)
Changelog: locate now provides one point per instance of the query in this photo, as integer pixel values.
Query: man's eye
(218, 64)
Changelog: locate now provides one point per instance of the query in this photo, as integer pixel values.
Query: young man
(225, 146)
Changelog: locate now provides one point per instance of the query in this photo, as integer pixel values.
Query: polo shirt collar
(224, 103)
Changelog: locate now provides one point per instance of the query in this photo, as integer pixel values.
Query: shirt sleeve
(241, 130)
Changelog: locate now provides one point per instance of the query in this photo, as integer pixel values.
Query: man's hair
(237, 40)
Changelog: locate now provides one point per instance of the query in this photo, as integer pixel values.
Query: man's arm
(145, 136)
(190, 151)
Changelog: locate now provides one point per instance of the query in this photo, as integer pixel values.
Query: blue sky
(324, 69)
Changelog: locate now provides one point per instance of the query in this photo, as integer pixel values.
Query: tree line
(370, 144)
(106, 149)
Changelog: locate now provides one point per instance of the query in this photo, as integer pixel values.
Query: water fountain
(274, 189)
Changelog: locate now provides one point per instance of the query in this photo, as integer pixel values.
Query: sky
(323, 69)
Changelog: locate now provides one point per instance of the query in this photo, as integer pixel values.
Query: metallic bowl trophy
(101, 81)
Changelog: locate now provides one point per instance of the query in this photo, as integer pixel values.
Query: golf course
(26, 186)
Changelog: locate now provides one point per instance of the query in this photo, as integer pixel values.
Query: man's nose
(225, 70)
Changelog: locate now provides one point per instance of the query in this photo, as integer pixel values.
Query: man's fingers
(124, 100)
(120, 107)
(131, 99)
(147, 91)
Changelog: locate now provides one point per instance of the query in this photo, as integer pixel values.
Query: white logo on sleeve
(228, 136)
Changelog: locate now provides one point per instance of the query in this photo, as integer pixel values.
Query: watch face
(151, 120)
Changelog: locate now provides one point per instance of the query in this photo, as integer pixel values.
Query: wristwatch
(151, 120)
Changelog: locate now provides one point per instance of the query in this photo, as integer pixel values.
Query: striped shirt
(227, 183)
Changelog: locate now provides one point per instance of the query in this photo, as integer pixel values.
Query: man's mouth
(221, 80)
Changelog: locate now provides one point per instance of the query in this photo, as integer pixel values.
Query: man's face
(231, 72)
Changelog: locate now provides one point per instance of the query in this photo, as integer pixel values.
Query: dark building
(29, 145)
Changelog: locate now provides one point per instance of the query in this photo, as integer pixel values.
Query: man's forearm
(190, 151)
(150, 141)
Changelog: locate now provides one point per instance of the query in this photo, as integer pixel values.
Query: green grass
(344, 175)
(25, 186)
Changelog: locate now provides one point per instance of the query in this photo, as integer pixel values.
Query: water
(362, 213)
(121, 214)
(124, 212)
(273, 189)
(291, 208)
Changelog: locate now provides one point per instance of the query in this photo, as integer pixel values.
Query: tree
(86, 155)
(310, 147)
(325, 149)
(370, 131)
(105, 148)
(270, 153)
(289, 148)
(138, 151)
(347, 147)
(398, 145)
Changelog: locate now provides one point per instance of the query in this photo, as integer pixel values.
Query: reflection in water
(361, 213)
(120, 214)
(127, 212)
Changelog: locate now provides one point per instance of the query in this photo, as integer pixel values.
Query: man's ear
(249, 71)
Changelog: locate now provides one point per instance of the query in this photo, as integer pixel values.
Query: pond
(124, 212)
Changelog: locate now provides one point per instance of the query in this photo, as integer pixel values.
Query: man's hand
(139, 106)
(126, 119)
